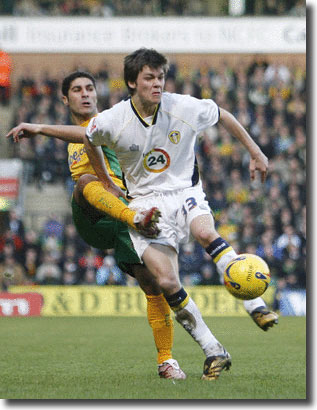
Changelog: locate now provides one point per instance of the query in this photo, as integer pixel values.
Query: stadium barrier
(20, 304)
(128, 301)
(168, 34)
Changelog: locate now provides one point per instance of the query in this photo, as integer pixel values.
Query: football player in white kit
(153, 134)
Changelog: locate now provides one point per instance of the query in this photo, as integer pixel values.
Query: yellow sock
(105, 201)
(159, 317)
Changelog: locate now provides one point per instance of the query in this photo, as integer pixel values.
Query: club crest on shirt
(174, 136)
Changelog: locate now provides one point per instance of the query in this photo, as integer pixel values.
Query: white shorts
(178, 209)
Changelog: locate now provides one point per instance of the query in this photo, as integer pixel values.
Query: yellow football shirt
(79, 164)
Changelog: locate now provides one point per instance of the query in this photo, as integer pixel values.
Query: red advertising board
(9, 187)
(20, 304)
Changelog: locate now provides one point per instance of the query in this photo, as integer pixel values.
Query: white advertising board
(168, 34)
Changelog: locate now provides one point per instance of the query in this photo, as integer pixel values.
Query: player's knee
(147, 284)
(169, 284)
(79, 188)
(84, 180)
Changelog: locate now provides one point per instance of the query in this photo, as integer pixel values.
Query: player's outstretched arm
(68, 133)
(259, 161)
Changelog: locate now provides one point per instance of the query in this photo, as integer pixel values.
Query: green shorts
(106, 233)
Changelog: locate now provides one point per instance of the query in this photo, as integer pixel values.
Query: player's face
(82, 98)
(149, 85)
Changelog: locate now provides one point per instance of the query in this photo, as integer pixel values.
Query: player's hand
(24, 130)
(260, 163)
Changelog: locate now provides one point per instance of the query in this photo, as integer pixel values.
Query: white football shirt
(159, 156)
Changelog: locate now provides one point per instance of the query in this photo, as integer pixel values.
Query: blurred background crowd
(108, 8)
(268, 99)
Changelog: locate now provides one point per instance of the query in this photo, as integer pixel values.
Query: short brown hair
(134, 63)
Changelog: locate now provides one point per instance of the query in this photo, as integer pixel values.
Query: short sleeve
(207, 115)
(99, 130)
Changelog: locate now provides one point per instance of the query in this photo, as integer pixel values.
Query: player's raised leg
(221, 252)
(261, 315)
(89, 190)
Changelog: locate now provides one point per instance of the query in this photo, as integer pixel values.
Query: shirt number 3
(190, 204)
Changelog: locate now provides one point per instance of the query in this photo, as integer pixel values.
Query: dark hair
(134, 63)
(71, 77)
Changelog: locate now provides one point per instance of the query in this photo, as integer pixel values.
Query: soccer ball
(247, 276)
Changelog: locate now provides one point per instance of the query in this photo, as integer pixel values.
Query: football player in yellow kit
(92, 205)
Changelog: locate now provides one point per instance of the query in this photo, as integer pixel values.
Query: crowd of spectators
(269, 220)
(54, 256)
(109, 8)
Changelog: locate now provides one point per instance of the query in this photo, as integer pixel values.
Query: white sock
(251, 305)
(223, 262)
(191, 320)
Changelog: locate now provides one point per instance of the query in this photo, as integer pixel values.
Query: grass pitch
(115, 358)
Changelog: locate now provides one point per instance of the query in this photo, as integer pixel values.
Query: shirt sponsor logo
(157, 160)
(75, 157)
(20, 304)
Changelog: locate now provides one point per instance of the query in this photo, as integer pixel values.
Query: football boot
(264, 318)
(146, 222)
(170, 370)
(214, 365)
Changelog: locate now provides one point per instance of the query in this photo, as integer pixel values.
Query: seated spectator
(298, 9)
(7, 248)
(12, 244)
(69, 276)
(16, 224)
(31, 262)
(71, 238)
(236, 190)
(296, 110)
(89, 277)
(32, 241)
(53, 227)
(48, 272)
(289, 236)
(284, 140)
(70, 267)
(247, 235)
(208, 275)
(190, 259)
(227, 229)
(51, 236)
(11, 273)
(268, 239)
(109, 273)
(275, 264)
(25, 151)
(90, 259)
(218, 202)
